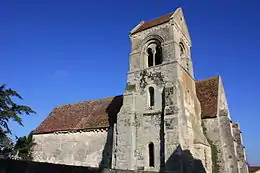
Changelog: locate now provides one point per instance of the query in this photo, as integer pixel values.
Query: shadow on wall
(19, 166)
(112, 111)
(162, 135)
(183, 161)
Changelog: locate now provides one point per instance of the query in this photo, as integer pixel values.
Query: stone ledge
(152, 112)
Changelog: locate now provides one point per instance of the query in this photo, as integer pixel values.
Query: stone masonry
(165, 121)
(174, 118)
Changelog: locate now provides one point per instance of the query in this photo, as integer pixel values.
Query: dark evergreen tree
(10, 111)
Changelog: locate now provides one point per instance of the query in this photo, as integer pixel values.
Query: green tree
(22, 147)
(9, 110)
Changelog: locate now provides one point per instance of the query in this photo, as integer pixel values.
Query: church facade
(165, 120)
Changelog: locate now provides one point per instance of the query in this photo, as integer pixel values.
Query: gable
(177, 16)
(179, 19)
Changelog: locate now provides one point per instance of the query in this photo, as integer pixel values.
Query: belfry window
(158, 55)
(151, 96)
(151, 154)
(153, 54)
(150, 57)
(182, 49)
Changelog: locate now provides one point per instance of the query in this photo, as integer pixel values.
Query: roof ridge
(207, 79)
(86, 101)
(165, 15)
(152, 22)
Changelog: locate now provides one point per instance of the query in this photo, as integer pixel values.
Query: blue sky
(56, 52)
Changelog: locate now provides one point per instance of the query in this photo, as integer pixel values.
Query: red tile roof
(207, 93)
(99, 113)
(82, 115)
(154, 22)
(253, 169)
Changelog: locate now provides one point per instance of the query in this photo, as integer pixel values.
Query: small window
(151, 154)
(182, 49)
(151, 95)
(187, 66)
(150, 57)
(158, 55)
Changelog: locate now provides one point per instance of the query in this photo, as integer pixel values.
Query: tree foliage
(9, 110)
(23, 146)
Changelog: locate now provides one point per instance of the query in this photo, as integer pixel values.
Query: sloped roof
(253, 169)
(83, 115)
(154, 22)
(99, 113)
(207, 93)
(177, 16)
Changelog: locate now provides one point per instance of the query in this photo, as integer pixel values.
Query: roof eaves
(70, 130)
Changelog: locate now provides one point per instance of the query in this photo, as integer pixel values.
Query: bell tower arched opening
(150, 57)
(158, 55)
(153, 54)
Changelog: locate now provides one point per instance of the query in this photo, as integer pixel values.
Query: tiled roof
(99, 113)
(207, 93)
(82, 115)
(253, 169)
(154, 22)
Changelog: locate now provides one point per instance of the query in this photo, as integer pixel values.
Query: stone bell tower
(160, 118)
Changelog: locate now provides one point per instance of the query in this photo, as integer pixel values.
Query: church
(165, 121)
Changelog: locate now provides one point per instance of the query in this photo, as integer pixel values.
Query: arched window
(150, 57)
(153, 53)
(151, 95)
(158, 55)
(182, 49)
(151, 154)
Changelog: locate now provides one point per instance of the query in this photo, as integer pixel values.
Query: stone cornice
(152, 112)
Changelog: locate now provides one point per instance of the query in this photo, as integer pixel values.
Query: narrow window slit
(151, 154)
(158, 55)
(151, 95)
(182, 49)
(150, 57)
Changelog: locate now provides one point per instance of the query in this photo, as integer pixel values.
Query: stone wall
(228, 141)
(240, 151)
(212, 132)
(92, 148)
(227, 136)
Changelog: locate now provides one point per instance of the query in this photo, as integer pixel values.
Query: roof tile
(154, 22)
(207, 93)
(82, 115)
(253, 169)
